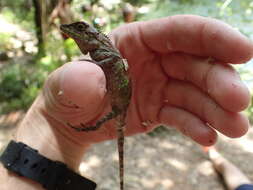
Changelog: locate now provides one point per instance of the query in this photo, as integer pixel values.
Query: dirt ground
(164, 161)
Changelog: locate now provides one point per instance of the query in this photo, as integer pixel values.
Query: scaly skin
(118, 83)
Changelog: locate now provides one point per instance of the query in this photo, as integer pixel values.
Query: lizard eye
(81, 27)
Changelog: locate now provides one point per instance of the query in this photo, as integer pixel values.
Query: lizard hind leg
(99, 123)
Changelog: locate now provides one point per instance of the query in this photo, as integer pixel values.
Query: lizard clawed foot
(74, 127)
(99, 123)
(83, 127)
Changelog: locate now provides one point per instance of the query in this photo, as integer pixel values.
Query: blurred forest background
(31, 45)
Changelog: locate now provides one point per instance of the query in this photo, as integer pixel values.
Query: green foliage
(70, 49)
(48, 64)
(137, 2)
(169, 7)
(11, 85)
(17, 12)
(4, 40)
(237, 13)
(21, 83)
(19, 86)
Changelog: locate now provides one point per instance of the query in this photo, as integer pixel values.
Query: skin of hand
(173, 84)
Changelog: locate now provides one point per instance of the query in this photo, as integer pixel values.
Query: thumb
(75, 92)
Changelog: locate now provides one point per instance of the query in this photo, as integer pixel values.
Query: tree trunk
(39, 27)
(43, 8)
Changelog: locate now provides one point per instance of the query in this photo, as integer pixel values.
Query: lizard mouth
(65, 28)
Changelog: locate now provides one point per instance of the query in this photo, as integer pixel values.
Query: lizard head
(84, 35)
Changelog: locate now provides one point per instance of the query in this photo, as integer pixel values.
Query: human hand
(182, 76)
(173, 84)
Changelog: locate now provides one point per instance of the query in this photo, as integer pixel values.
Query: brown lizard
(118, 83)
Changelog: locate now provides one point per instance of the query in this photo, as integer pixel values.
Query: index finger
(189, 34)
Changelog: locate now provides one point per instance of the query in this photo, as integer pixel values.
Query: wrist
(25, 161)
(44, 134)
(38, 132)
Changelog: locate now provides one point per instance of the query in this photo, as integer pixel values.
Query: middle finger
(220, 81)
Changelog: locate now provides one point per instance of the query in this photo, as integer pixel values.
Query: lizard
(118, 83)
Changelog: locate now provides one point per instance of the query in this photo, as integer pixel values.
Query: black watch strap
(52, 175)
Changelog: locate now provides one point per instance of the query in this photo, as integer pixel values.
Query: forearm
(36, 131)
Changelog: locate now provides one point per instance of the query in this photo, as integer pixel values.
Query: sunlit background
(31, 46)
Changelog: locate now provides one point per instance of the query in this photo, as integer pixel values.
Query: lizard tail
(120, 131)
(121, 161)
